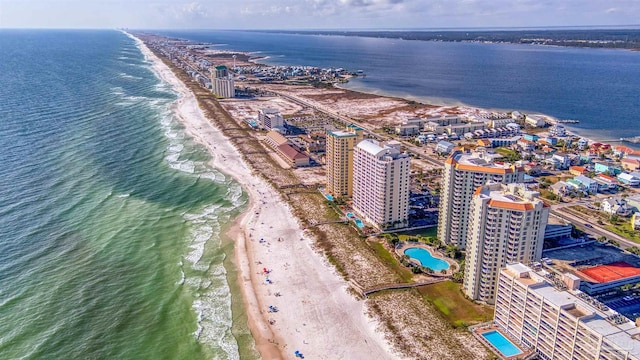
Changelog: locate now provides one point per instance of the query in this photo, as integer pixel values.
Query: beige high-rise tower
(339, 161)
(506, 224)
(463, 173)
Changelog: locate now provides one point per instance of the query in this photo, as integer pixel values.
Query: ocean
(598, 87)
(110, 216)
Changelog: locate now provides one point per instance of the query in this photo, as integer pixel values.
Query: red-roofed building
(577, 170)
(631, 164)
(292, 156)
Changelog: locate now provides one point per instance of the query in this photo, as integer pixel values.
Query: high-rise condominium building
(550, 315)
(381, 184)
(463, 173)
(222, 84)
(506, 224)
(339, 159)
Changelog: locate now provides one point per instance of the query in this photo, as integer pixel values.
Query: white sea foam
(204, 275)
(175, 148)
(214, 176)
(128, 76)
(117, 90)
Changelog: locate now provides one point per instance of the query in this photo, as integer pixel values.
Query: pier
(568, 121)
(634, 139)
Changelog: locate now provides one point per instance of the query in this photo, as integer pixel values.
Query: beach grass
(389, 260)
(447, 297)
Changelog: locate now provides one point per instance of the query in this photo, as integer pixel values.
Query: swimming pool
(359, 223)
(425, 258)
(506, 347)
(329, 197)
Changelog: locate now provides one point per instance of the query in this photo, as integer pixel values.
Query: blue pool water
(426, 259)
(506, 347)
(329, 197)
(359, 223)
(350, 215)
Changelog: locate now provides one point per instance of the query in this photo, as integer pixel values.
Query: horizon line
(425, 29)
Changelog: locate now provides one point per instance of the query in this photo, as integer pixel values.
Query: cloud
(284, 14)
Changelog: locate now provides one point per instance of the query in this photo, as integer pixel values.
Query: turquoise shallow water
(110, 217)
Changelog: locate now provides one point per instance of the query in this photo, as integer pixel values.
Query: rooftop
(479, 161)
(341, 134)
(611, 272)
(512, 196)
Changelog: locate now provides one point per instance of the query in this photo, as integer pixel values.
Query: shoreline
(314, 299)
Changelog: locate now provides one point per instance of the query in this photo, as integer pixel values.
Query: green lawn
(449, 300)
(432, 231)
(625, 230)
(391, 262)
(505, 152)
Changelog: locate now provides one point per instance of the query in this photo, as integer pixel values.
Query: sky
(315, 14)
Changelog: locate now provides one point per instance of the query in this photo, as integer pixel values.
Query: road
(593, 229)
(415, 150)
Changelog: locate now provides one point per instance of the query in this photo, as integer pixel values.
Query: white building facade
(507, 224)
(222, 84)
(550, 315)
(381, 184)
(269, 119)
(463, 173)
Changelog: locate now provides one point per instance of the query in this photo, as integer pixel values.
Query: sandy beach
(316, 315)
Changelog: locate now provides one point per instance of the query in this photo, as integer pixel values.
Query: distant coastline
(628, 39)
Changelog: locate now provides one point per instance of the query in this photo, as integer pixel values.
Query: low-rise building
(609, 180)
(557, 231)
(591, 186)
(629, 179)
(558, 130)
(444, 147)
(526, 145)
(635, 221)
(407, 129)
(630, 163)
(633, 202)
(314, 143)
(583, 144)
(275, 139)
(562, 188)
(615, 206)
(577, 170)
(608, 167)
(292, 156)
(535, 121)
(503, 142)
